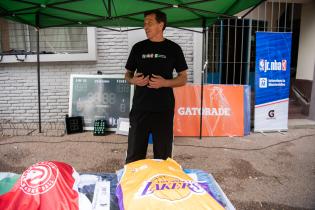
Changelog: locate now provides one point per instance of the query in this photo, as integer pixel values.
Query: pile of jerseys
(56, 185)
(161, 184)
(146, 184)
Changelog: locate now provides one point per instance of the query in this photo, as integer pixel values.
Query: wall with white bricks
(18, 81)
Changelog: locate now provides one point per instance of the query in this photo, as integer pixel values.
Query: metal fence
(231, 42)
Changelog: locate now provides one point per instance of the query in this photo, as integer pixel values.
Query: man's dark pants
(142, 123)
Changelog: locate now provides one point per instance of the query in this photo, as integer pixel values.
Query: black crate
(74, 124)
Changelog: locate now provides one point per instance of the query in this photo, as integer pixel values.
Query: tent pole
(38, 74)
(201, 91)
(202, 71)
(109, 9)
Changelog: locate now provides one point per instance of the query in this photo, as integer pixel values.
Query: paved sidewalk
(259, 171)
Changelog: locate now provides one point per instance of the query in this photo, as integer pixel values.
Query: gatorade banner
(272, 82)
(223, 113)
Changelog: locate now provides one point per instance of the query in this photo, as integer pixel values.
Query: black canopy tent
(114, 14)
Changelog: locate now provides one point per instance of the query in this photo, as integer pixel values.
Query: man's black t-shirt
(159, 58)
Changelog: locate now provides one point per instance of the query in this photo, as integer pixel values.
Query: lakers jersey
(161, 185)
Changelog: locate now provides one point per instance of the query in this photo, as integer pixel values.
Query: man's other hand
(139, 79)
(157, 82)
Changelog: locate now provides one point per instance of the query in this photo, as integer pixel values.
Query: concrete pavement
(258, 171)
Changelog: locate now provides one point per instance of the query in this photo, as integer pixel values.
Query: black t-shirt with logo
(159, 58)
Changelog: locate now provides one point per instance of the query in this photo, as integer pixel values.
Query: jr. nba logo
(284, 65)
(261, 64)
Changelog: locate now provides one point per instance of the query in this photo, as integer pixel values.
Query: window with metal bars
(20, 38)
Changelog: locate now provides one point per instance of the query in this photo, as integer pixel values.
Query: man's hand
(139, 79)
(157, 82)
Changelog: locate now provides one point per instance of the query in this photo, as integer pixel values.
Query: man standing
(150, 68)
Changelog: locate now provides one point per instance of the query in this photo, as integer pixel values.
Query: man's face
(152, 27)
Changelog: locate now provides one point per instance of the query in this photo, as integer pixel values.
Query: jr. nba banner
(272, 83)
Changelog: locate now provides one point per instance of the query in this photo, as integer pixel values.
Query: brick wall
(18, 81)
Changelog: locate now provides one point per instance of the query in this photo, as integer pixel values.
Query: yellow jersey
(161, 184)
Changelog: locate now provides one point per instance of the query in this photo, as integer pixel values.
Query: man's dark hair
(159, 16)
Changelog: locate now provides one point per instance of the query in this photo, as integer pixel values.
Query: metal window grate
(16, 37)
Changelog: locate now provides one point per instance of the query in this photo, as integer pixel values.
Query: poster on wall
(97, 97)
(272, 81)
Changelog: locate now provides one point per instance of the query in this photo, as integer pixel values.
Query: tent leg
(38, 78)
(201, 104)
(205, 61)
